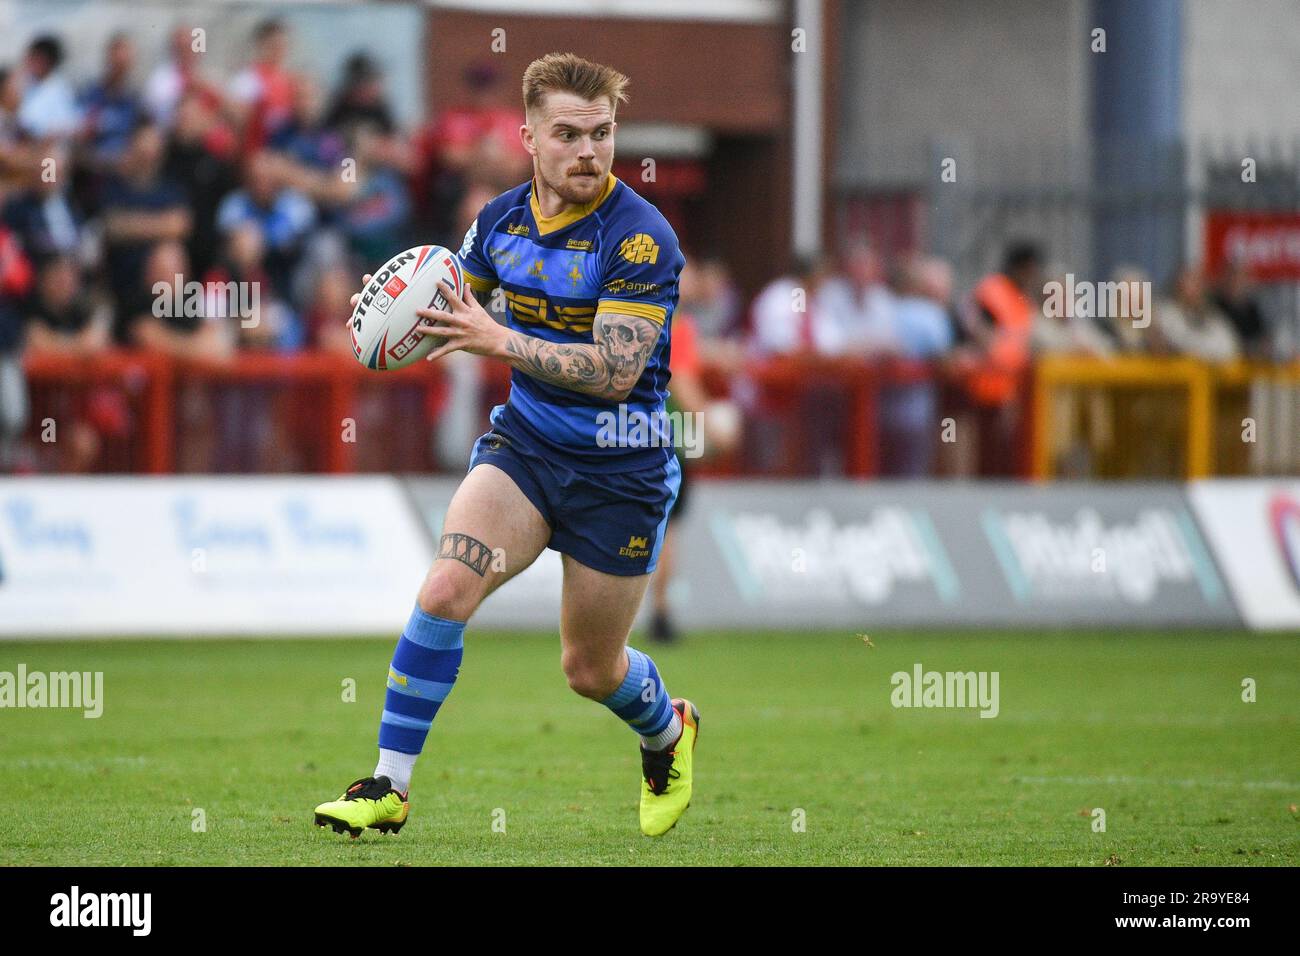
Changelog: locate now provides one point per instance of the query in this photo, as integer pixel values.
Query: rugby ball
(384, 322)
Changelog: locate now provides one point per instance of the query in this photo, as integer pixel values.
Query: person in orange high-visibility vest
(998, 319)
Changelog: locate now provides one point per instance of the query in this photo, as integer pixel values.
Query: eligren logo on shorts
(636, 547)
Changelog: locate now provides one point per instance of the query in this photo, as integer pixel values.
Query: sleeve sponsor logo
(617, 286)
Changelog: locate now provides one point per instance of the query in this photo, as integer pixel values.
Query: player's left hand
(465, 324)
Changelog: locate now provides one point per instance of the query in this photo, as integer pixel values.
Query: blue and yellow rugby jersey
(616, 254)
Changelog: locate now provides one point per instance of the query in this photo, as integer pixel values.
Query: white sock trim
(397, 767)
(666, 737)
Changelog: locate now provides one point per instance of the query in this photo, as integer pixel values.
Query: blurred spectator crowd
(976, 346)
(161, 173)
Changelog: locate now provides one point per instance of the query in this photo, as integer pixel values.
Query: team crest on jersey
(639, 248)
(575, 271)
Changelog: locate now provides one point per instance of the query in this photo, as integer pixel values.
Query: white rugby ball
(384, 321)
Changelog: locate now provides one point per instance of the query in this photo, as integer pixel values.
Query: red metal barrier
(141, 376)
(802, 406)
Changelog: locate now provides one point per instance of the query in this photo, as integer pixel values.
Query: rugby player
(589, 272)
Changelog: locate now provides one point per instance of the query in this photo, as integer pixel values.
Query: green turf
(1149, 727)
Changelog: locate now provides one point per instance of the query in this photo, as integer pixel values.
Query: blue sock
(641, 700)
(421, 676)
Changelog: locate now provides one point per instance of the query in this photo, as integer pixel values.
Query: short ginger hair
(570, 73)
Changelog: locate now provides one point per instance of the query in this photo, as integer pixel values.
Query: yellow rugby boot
(666, 775)
(369, 802)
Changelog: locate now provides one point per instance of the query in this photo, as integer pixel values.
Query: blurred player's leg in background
(13, 410)
(662, 628)
(462, 418)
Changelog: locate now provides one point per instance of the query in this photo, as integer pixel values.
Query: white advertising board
(194, 556)
(1254, 530)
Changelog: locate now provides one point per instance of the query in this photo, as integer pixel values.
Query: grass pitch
(796, 729)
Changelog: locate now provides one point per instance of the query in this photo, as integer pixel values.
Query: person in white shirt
(1189, 323)
(785, 316)
(49, 106)
(855, 307)
(176, 77)
(923, 332)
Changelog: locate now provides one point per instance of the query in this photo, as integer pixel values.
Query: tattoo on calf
(470, 552)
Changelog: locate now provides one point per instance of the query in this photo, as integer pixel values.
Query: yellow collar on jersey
(548, 224)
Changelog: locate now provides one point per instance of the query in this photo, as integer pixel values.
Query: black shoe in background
(662, 630)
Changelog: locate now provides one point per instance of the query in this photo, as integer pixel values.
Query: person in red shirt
(263, 93)
(475, 143)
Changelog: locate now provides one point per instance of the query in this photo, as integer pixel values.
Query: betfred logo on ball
(384, 323)
(402, 348)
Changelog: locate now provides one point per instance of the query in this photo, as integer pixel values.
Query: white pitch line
(1141, 781)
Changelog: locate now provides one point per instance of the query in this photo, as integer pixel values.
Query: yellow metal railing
(1257, 418)
(1165, 417)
